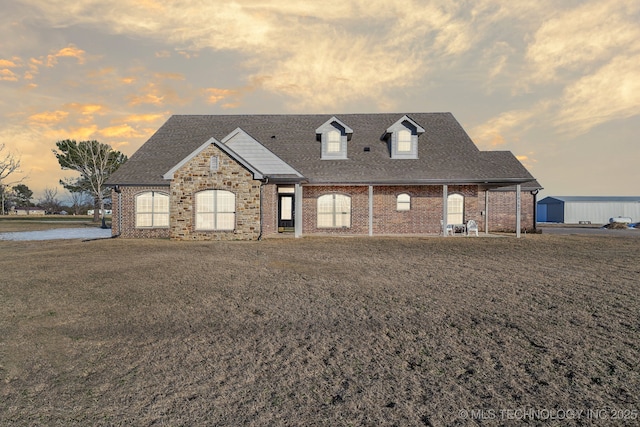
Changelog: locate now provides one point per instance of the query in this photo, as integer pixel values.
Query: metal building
(587, 209)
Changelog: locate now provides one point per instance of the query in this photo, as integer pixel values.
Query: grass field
(320, 332)
(10, 223)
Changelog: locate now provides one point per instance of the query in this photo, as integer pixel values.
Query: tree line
(94, 161)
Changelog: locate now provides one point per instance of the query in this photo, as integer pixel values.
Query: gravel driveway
(59, 233)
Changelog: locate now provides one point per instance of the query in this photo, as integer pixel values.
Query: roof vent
(367, 149)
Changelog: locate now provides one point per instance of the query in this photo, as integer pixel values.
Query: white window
(403, 202)
(215, 210)
(152, 210)
(455, 209)
(333, 141)
(213, 163)
(334, 211)
(404, 141)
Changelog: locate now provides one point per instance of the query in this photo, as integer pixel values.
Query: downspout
(118, 191)
(263, 182)
(534, 193)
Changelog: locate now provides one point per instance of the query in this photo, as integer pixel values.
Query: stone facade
(196, 175)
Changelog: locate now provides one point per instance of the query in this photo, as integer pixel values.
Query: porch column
(298, 212)
(486, 211)
(371, 210)
(445, 190)
(518, 210)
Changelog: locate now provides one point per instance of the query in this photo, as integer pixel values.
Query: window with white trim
(404, 141)
(403, 202)
(152, 210)
(334, 211)
(333, 141)
(215, 210)
(455, 209)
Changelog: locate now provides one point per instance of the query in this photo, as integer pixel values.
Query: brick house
(222, 177)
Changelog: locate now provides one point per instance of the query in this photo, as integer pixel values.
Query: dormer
(333, 135)
(402, 137)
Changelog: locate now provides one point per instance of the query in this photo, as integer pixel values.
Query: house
(220, 177)
(587, 209)
(32, 210)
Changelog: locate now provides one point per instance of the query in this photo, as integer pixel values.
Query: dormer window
(333, 135)
(404, 141)
(333, 141)
(402, 138)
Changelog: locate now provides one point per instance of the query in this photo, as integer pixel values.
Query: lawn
(321, 332)
(12, 223)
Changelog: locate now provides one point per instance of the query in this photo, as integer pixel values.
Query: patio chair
(472, 226)
(449, 230)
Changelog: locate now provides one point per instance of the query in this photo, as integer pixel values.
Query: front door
(285, 212)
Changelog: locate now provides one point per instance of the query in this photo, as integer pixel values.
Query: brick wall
(269, 209)
(127, 197)
(502, 211)
(359, 209)
(196, 176)
(423, 217)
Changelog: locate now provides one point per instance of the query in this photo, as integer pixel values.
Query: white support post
(298, 213)
(486, 211)
(445, 212)
(518, 209)
(371, 210)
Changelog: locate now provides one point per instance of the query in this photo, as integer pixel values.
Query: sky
(555, 82)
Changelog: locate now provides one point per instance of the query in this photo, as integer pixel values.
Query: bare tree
(8, 165)
(79, 200)
(49, 201)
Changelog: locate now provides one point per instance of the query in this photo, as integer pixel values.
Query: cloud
(492, 133)
(143, 118)
(85, 109)
(610, 93)
(316, 53)
(120, 131)
(48, 117)
(70, 51)
(8, 75)
(5, 63)
(583, 37)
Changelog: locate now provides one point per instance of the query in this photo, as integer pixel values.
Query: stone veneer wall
(196, 176)
(128, 198)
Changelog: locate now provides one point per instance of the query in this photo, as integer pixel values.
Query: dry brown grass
(9, 224)
(327, 332)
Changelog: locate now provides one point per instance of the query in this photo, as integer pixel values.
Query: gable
(257, 155)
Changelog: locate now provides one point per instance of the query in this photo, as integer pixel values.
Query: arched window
(403, 202)
(334, 211)
(152, 210)
(333, 141)
(404, 141)
(455, 209)
(215, 210)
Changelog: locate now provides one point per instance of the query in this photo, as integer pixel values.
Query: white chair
(472, 226)
(449, 230)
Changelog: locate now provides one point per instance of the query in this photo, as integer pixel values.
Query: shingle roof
(446, 154)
